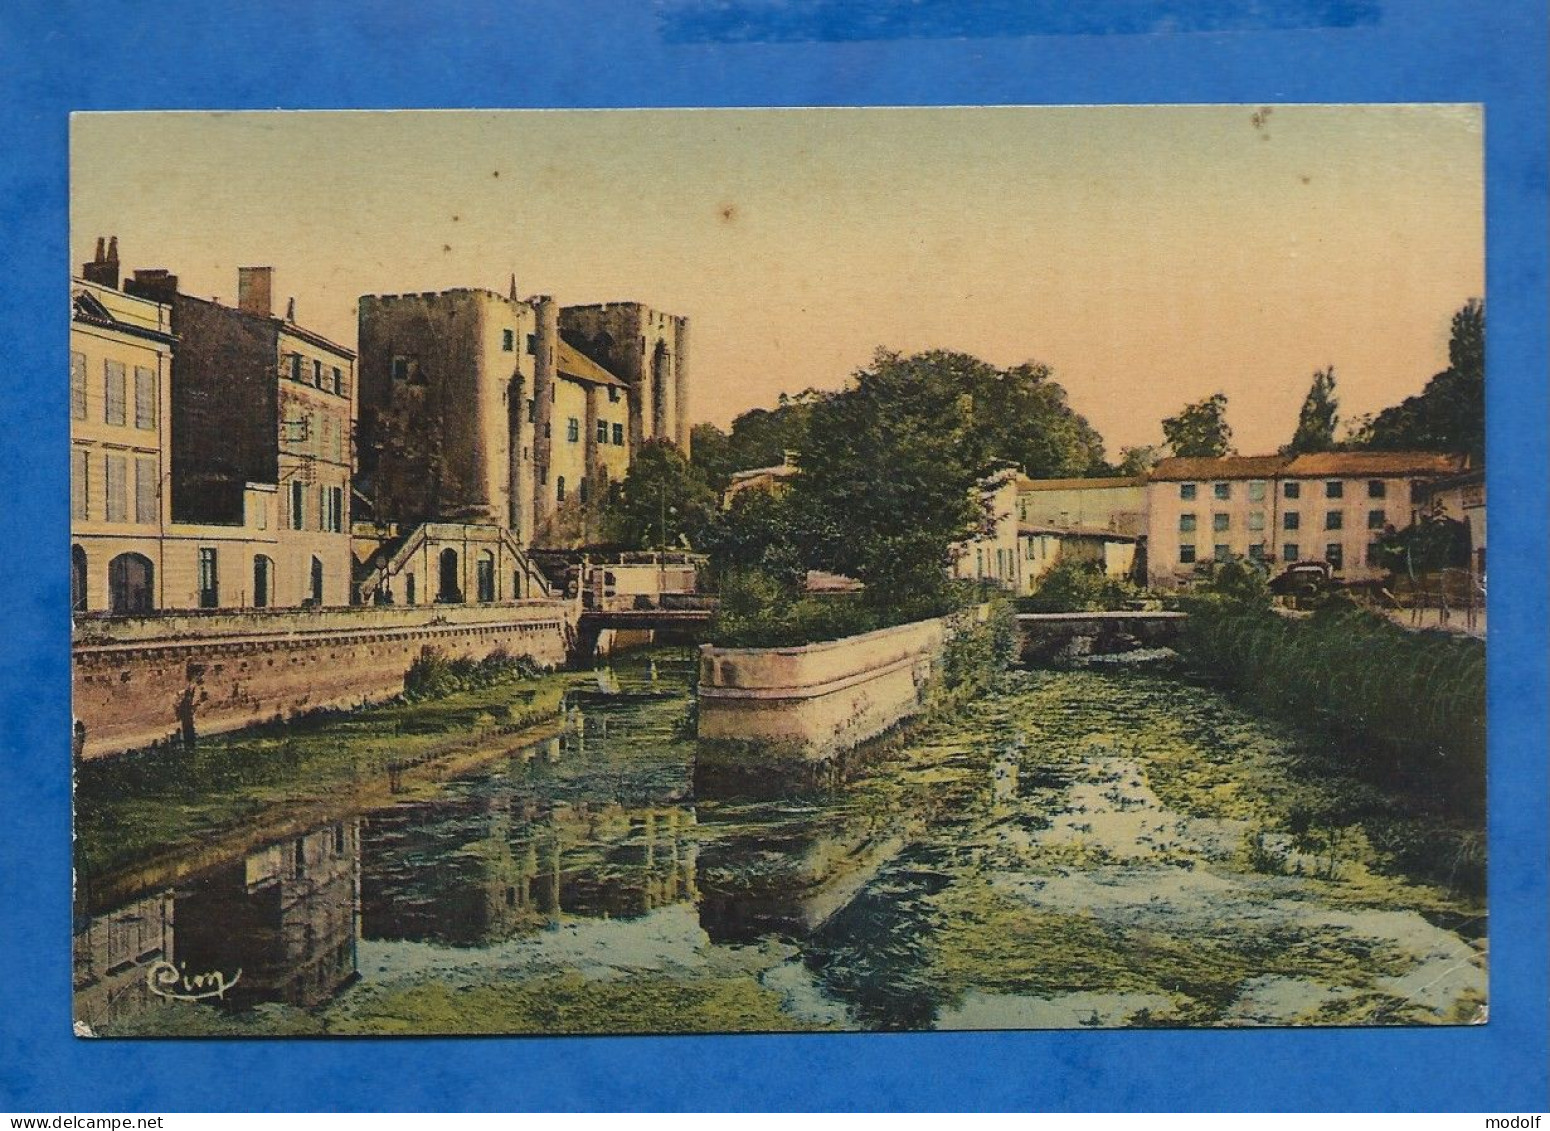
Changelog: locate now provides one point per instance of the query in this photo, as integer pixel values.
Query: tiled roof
(1090, 483)
(1177, 468)
(572, 363)
(1320, 464)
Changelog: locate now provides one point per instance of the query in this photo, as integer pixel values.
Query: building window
(77, 386)
(613, 395)
(450, 592)
(1334, 520)
(559, 489)
(1334, 554)
(338, 381)
(1292, 490)
(1186, 490)
(317, 581)
(1291, 520)
(1377, 489)
(1334, 489)
(548, 429)
(1375, 553)
(115, 480)
(1222, 551)
(145, 398)
(583, 490)
(484, 578)
(145, 489)
(1257, 552)
(508, 340)
(317, 373)
(1376, 519)
(572, 430)
(1222, 490)
(1221, 521)
(296, 367)
(1256, 490)
(619, 435)
(602, 431)
(80, 484)
(337, 495)
(113, 388)
(298, 504)
(1186, 524)
(1290, 551)
(209, 579)
(263, 583)
(400, 368)
(1256, 520)
(409, 593)
(532, 410)
(1186, 553)
(130, 579)
(532, 344)
(78, 571)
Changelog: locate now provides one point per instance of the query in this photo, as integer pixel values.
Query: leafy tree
(1448, 415)
(1433, 542)
(710, 451)
(664, 500)
(759, 533)
(762, 437)
(1138, 460)
(891, 470)
(1320, 416)
(1029, 423)
(1200, 429)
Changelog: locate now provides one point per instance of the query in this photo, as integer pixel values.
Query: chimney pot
(103, 269)
(113, 249)
(99, 256)
(290, 309)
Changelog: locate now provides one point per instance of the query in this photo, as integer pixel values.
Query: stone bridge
(1048, 635)
(592, 623)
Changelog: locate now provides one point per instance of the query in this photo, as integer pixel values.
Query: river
(1089, 848)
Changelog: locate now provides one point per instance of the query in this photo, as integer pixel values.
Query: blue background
(195, 54)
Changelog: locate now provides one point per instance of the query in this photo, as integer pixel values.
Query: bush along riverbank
(1414, 702)
(161, 801)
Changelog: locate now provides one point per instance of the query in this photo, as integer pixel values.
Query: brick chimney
(255, 290)
(155, 283)
(103, 269)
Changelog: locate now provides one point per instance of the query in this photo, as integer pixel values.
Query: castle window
(559, 489)
(338, 381)
(317, 373)
(619, 435)
(572, 430)
(508, 340)
(613, 394)
(602, 431)
(532, 344)
(400, 368)
(296, 366)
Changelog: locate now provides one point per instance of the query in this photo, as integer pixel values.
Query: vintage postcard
(711, 571)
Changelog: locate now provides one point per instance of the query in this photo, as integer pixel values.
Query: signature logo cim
(176, 984)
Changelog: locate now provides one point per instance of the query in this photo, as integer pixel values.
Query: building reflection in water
(287, 916)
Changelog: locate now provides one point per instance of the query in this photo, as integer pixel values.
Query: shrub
(1079, 587)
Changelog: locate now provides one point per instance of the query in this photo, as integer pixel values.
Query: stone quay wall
(817, 701)
(136, 679)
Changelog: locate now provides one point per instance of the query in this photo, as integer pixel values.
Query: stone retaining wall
(134, 678)
(817, 701)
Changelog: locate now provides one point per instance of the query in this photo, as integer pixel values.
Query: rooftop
(576, 365)
(1092, 483)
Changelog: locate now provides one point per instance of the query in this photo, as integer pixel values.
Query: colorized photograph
(714, 571)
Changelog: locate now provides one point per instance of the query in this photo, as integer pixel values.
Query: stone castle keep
(511, 413)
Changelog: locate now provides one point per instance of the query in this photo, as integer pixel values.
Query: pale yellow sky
(1150, 255)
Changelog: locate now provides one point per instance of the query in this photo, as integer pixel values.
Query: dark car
(1303, 579)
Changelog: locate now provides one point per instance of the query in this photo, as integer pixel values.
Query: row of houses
(1332, 507)
(228, 457)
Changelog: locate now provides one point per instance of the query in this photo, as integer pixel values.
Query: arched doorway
(485, 576)
(317, 581)
(448, 591)
(263, 581)
(77, 580)
(129, 585)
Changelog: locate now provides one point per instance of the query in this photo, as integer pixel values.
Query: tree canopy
(1320, 416)
(664, 501)
(1200, 429)
(1448, 415)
